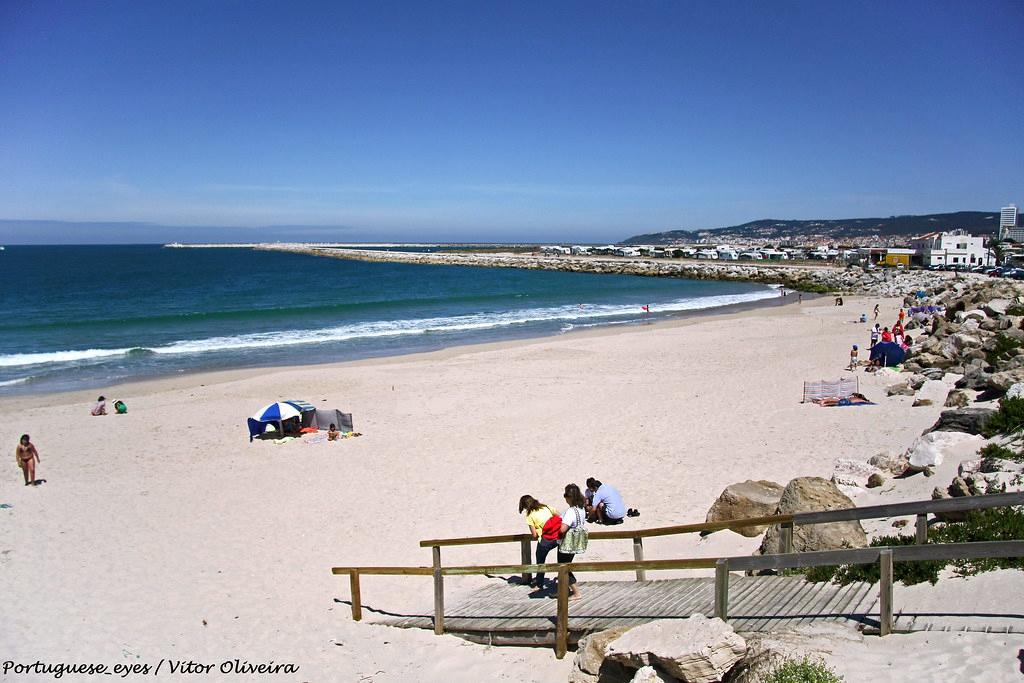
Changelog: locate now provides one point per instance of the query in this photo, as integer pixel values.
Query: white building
(956, 248)
(1008, 229)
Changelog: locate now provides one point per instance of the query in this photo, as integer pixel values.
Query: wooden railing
(722, 565)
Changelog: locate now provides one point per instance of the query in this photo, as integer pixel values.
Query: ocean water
(88, 316)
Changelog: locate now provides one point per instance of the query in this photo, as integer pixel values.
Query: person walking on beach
(27, 457)
(574, 517)
(545, 526)
(876, 313)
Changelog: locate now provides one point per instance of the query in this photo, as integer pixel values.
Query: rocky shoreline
(808, 278)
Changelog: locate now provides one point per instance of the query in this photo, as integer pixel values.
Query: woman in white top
(574, 516)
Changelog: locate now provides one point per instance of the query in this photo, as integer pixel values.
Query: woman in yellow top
(537, 515)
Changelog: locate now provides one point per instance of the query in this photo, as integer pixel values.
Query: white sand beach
(165, 534)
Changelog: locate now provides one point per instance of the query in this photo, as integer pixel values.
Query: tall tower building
(1008, 224)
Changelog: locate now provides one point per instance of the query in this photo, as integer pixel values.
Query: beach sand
(165, 534)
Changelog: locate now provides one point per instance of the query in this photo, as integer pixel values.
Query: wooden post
(357, 604)
(524, 555)
(722, 589)
(638, 555)
(885, 592)
(786, 537)
(922, 529)
(562, 626)
(438, 592)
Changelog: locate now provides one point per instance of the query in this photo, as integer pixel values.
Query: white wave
(569, 315)
(12, 382)
(14, 359)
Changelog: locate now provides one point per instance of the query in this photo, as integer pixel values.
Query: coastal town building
(953, 248)
(1009, 229)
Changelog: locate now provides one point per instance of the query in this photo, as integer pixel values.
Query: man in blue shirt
(604, 504)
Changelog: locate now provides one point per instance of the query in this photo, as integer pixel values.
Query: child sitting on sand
(101, 406)
(333, 433)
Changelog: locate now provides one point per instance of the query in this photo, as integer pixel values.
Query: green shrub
(804, 670)
(996, 452)
(995, 524)
(1009, 419)
(1004, 347)
(1015, 309)
(907, 573)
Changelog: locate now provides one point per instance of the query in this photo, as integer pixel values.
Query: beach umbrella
(275, 412)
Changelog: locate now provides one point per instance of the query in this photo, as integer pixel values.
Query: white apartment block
(955, 248)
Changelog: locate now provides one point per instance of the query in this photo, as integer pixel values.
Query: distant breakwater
(809, 278)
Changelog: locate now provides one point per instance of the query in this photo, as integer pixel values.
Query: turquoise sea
(88, 316)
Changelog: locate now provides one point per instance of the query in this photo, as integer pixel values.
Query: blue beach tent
(277, 413)
(889, 353)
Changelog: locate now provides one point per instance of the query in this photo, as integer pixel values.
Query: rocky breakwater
(979, 334)
(794, 276)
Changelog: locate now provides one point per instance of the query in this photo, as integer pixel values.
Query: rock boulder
(967, 420)
(746, 499)
(695, 650)
(810, 494)
(590, 663)
(957, 399)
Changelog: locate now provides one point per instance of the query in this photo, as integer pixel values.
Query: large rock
(996, 307)
(1002, 381)
(648, 674)
(746, 499)
(957, 399)
(590, 663)
(899, 389)
(967, 420)
(847, 472)
(975, 378)
(694, 650)
(811, 494)
(926, 453)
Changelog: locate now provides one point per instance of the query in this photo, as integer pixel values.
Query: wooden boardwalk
(506, 613)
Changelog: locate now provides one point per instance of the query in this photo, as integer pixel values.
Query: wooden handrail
(820, 558)
(800, 518)
(722, 565)
(885, 556)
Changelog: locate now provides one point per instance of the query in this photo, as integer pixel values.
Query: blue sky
(503, 121)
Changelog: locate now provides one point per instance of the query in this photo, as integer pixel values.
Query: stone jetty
(803, 277)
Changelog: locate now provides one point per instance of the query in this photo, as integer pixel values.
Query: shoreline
(248, 370)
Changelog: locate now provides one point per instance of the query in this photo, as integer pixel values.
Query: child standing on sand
(27, 457)
(853, 358)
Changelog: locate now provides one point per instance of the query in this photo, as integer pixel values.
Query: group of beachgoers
(882, 335)
(600, 503)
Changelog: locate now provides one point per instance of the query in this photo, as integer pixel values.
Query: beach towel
(843, 402)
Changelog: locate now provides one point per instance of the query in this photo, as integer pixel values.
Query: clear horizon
(583, 122)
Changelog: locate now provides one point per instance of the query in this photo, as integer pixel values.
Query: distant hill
(976, 222)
